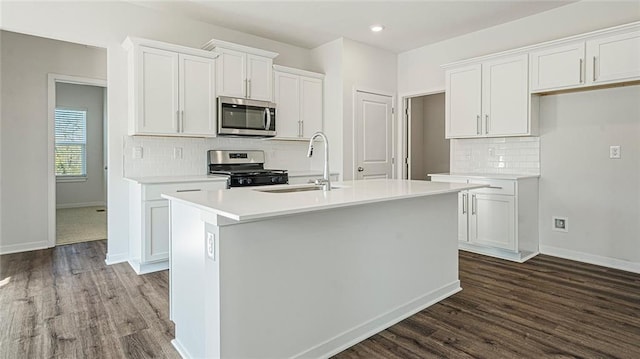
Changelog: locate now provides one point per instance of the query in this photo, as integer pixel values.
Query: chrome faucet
(326, 180)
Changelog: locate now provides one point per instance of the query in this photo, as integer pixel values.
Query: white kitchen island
(256, 274)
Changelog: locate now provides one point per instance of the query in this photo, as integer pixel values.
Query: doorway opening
(77, 153)
(428, 151)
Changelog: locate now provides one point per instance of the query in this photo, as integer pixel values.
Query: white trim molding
(116, 258)
(80, 205)
(608, 262)
(23, 247)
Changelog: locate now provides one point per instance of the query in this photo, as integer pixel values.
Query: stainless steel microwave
(243, 117)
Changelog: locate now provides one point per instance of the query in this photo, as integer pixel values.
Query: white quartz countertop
(175, 179)
(250, 203)
(504, 176)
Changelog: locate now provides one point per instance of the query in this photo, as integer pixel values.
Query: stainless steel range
(244, 168)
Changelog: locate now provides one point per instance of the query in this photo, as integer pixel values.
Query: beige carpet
(83, 224)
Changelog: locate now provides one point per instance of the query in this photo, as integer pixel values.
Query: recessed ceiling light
(376, 28)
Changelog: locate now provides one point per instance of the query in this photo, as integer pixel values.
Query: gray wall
(600, 196)
(429, 148)
(26, 61)
(92, 191)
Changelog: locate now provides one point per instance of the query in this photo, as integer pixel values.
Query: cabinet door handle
(464, 203)
(581, 70)
(189, 190)
(301, 128)
(495, 187)
(486, 124)
(477, 124)
(248, 88)
(473, 204)
(181, 121)
(178, 121)
(594, 68)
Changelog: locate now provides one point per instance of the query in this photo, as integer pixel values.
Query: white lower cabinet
(149, 222)
(500, 220)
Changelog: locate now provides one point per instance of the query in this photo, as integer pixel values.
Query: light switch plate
(211, 245)
(614, 152)
(177, 153)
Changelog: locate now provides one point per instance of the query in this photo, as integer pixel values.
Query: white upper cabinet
(603, 57)
(243, 71)
(197, 96)
(298, 95)
(558, 67)
(172, 90)
(488, 99)
(157, 91)
(505, 96)
(463, 101)
(614, 58)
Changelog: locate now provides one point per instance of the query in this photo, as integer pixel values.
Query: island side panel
(313, 284)
(193, 282)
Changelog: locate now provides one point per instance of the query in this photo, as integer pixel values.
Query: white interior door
(373, 136)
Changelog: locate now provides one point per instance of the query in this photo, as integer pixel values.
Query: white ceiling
(409, 24)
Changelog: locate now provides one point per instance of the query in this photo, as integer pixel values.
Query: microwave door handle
(268, 125)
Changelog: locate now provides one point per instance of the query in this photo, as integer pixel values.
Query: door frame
(405, 128)
(378, 92)
(52, 79)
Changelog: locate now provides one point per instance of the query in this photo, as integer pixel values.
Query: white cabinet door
(558, 67)
(259, 73)
(463, 216)
(492, 220)
(311, 105)
(231, 75)
(287, 99)
(158, 92)
(156, 231)
(197, 96)
(505, 96)
(614, 58)
(463, 101)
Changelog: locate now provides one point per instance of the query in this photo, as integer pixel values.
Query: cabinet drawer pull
(495, 187)
(189, 190)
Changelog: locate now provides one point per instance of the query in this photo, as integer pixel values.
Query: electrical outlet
(560, 224)
(137, 153)
(177, 153)
(211, 245)
(614, 152)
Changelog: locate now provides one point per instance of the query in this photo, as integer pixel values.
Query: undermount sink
(293, 189)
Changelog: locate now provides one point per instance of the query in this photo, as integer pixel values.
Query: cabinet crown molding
(213, 44)
(580, 37)
(294, 71)
(133, 42)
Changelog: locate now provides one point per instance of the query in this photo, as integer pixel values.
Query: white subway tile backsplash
(496, 155)
(158, 159)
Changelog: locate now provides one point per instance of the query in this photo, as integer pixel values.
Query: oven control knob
(242, 181)
(248, 181)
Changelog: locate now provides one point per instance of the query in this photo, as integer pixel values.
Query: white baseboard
(591, 258)
(355, 335)
(23, 247)
(79, 205)
(116, 258)
(144, 268)
(180, 349)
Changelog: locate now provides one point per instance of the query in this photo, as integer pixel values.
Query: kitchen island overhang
(307, 274)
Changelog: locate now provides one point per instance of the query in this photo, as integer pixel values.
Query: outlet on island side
(560, 224)
(614, 152)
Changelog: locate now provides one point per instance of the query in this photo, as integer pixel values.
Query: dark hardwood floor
(66, 303)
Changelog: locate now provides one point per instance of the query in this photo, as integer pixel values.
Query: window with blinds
(71, 143)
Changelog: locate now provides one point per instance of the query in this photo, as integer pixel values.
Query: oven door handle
(268, 120)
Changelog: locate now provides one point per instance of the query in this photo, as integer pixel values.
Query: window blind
(71, 142)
